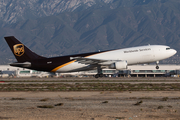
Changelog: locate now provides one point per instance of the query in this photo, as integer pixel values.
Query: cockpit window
(167, 48)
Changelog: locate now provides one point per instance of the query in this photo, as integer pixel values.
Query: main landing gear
(100, 74)
(157, 62)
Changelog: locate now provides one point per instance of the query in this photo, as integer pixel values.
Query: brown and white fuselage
(115, 59)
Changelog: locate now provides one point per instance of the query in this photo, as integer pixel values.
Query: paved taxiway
(156, 80)
(85, 82)
(92, 78)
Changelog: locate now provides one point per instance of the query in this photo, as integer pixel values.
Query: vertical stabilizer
(20, 51)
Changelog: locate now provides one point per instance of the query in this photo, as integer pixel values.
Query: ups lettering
(19, 50)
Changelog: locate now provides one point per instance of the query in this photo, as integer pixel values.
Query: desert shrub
(17, 98)
(59, 104)
(138, 102)
(43, 100)
(105, 102)
(46, 106)
(160, 107)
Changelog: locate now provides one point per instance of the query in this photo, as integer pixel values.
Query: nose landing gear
(157, 62)
(157, 67)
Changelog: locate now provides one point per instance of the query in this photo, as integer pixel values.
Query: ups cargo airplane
(114, 59)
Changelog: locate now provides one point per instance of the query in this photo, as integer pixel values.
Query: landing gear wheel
(157, 67)
(101, 75)
(97, 75)
(157, 62)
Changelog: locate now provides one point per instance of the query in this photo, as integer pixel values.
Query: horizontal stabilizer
(25, 64)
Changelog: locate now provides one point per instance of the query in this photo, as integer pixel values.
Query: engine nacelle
(119, 65)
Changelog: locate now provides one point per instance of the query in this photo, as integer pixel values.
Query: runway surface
(135, 80)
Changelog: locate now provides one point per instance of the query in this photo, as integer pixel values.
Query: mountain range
(62, 27)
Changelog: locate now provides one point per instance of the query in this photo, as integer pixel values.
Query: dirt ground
(150, 105)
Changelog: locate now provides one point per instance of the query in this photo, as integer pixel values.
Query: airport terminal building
(9, 71)
(151, 71)
(132, 71)
(141, 71)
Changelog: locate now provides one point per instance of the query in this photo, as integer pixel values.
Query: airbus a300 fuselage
(115, 59)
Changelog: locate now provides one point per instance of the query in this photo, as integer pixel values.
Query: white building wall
(152, 67)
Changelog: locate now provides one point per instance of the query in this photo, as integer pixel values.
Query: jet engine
(119, 65)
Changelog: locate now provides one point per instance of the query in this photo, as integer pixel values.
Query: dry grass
(90, 87)
(164, 99)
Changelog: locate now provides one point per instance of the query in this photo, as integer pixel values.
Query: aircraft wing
(92, 61)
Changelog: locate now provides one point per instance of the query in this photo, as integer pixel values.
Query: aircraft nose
(174, 51)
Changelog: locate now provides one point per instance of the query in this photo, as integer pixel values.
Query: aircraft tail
(20, 51)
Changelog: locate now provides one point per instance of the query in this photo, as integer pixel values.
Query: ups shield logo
(18, 49)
